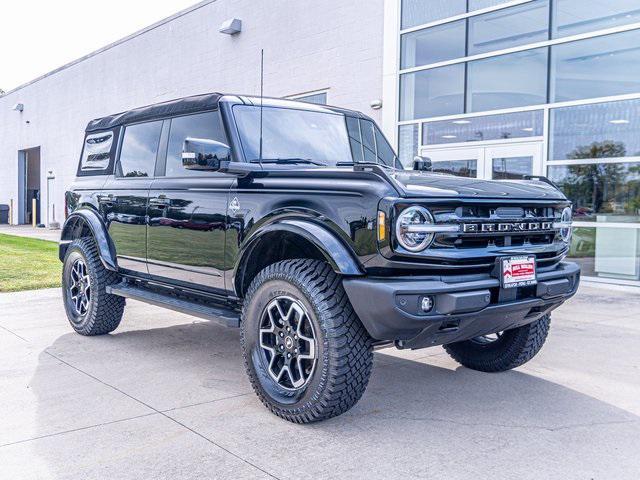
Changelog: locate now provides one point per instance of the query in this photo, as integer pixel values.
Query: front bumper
(464, 306)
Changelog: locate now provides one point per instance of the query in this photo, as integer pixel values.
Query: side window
(368, 141)
(386, 154)
(139, 150)
(355, 139)
(96, 154)
(204, 126)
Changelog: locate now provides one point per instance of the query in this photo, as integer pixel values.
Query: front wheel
(504, 350)
(306, 352)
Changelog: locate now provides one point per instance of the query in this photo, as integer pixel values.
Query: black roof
(180, 106)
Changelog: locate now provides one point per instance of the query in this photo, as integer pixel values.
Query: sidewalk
(29, 231)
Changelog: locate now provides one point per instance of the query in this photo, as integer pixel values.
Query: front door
(491, 162)
(187, 210)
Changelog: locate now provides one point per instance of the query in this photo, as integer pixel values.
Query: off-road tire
(513, 349)
(345, 355)
(105, 311)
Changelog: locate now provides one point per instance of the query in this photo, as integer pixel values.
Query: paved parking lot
(165, 396)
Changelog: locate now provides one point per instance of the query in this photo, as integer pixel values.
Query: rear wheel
(90, 309)
(307, 354)
(501, 351)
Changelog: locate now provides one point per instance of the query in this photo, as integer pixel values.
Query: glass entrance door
(492, 162)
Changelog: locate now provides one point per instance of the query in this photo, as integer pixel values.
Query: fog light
(426, 304)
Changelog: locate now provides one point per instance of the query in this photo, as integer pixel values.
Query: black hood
(428, 184)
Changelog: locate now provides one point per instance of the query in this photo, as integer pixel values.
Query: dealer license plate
(518, 271)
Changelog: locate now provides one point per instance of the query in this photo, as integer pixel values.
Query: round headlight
(565, 224)
(409, 233)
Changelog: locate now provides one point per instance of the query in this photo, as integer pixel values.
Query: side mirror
(204, 154)
(422, 163)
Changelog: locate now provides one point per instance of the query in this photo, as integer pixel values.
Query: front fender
(334, 251)
(77, 223)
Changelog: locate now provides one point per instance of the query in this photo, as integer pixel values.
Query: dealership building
(487, 89)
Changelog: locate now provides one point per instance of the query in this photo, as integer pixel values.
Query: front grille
(489, 231)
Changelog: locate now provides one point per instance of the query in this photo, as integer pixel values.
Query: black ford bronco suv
(297, 223)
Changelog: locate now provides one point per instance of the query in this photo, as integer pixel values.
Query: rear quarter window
(98, 153)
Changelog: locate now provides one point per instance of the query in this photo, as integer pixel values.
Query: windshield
(291, 135)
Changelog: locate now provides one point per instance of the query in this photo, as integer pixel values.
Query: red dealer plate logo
(518, 271)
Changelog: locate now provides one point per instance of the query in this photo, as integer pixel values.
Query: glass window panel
(571, 17)
(96, 154)
(432, 93)
(459, 168)
(204, 125)
(355, 138)
(317, 98)
(607, 252)
(600, 192)
(480, 4)
(479, 129)
(407, 144)
(508, 81)
(139, 150)
(597, 67)
(512, 168)
(510, 27)
(433, 45)
(601, 130)
(384, 151)
(418, 12)
(368, 141)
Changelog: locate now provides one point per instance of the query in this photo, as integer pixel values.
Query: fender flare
(92, 220)
(335, 252)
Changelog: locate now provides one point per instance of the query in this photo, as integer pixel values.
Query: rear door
(187, 210)
(125, 196)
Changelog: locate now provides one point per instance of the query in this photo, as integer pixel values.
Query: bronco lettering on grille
(507, 227)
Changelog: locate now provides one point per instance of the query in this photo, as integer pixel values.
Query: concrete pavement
(30, 232)
(165, 396)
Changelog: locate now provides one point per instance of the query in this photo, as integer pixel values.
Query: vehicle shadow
(422, 405)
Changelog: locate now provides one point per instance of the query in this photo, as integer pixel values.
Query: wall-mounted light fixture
(18, 107)
(376, 104)
(231, 26)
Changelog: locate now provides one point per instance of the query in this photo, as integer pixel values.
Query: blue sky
(37, 36)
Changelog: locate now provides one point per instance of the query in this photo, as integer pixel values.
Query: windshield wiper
(350, 164)
(289, 161)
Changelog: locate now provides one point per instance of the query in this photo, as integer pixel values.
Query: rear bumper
(464, 306)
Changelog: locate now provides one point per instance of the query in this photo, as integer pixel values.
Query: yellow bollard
(33, 212)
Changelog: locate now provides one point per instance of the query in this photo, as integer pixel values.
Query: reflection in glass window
(418, 12)
(459, 168)
(407, 144)
(139, 149)
(510, 27)
(96, 154)
(508, 81)
(601, 130)
(368, 141)
(513, 168)
(597, 67)
(432, 93)
(355, 138)
(433, 45)
(571, 17)
(480, 4)
(204, 125)
(602, 192)
(479, 129)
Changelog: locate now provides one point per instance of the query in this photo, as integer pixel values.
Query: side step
(219, 314)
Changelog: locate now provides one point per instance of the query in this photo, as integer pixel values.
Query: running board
(223, 316)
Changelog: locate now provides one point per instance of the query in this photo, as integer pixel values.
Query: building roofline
(153, 26)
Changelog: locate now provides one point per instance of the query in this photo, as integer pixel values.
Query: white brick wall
(309, 45)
